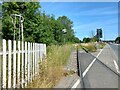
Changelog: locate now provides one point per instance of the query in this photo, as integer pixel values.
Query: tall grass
(51, 69)
(101, 45)
(90, 47)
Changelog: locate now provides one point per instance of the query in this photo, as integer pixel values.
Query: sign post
(64, 32)
(99, 33)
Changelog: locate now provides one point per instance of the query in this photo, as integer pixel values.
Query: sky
(87, 17)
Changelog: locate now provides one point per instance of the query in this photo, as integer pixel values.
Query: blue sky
(87, 16)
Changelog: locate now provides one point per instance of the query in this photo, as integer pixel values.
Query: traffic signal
(99, 33)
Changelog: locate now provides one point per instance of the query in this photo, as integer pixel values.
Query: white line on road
(113, 51)
(84, 73)
(76, 84)
(116, 66)
(90, 65)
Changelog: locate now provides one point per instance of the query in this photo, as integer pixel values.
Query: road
(97, 70)
(115, 48)
(100, 72)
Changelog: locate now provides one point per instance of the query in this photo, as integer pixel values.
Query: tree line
(38, 27)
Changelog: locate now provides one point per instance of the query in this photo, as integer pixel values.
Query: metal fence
(20, 62)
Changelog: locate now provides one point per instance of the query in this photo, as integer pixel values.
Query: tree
(86, 40)
(117, 40)
(29, 14)
(68, 24)
(38, 27)
(76, 40)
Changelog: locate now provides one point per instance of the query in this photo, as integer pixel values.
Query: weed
(51, 69)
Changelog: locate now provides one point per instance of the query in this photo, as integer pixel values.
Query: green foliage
(117, 40)
(38, 27)
(0, 7)
(76, 40)
(94, 39)
(86, 40)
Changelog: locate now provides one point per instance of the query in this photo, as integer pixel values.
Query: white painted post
(33, 62)
(41, 52)
(18, 65)
(9, 63)
(35, 59)
(23, 82)
(26, 67)
(14, 64)
(45, 49)
(28, 62)
(4, 64)
(38, 55)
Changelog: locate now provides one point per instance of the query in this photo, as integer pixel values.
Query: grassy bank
(51, 69)
(92, 47)
(89, 46)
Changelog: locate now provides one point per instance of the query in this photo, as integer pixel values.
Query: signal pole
(99, 33)
(21, 19)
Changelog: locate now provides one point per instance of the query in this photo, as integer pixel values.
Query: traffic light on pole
(99, 33)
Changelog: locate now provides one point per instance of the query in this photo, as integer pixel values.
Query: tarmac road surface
(99, 72)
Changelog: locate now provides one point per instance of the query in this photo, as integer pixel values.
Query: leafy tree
(76, 40)
(29, 14)
(38, 27)
(86, 40)
(68, 24)
(117, 40)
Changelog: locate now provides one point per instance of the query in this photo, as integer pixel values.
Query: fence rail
(20, 62)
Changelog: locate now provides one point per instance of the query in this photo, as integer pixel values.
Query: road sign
(99, 33)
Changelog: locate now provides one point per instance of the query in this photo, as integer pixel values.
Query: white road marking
(116, 66)
(84, 73)
(113, 51)
(90, 65)
(76, 84)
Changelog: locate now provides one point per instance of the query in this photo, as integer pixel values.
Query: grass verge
(89, 46)
(51, 69)
(92, 47)
(100, 45)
